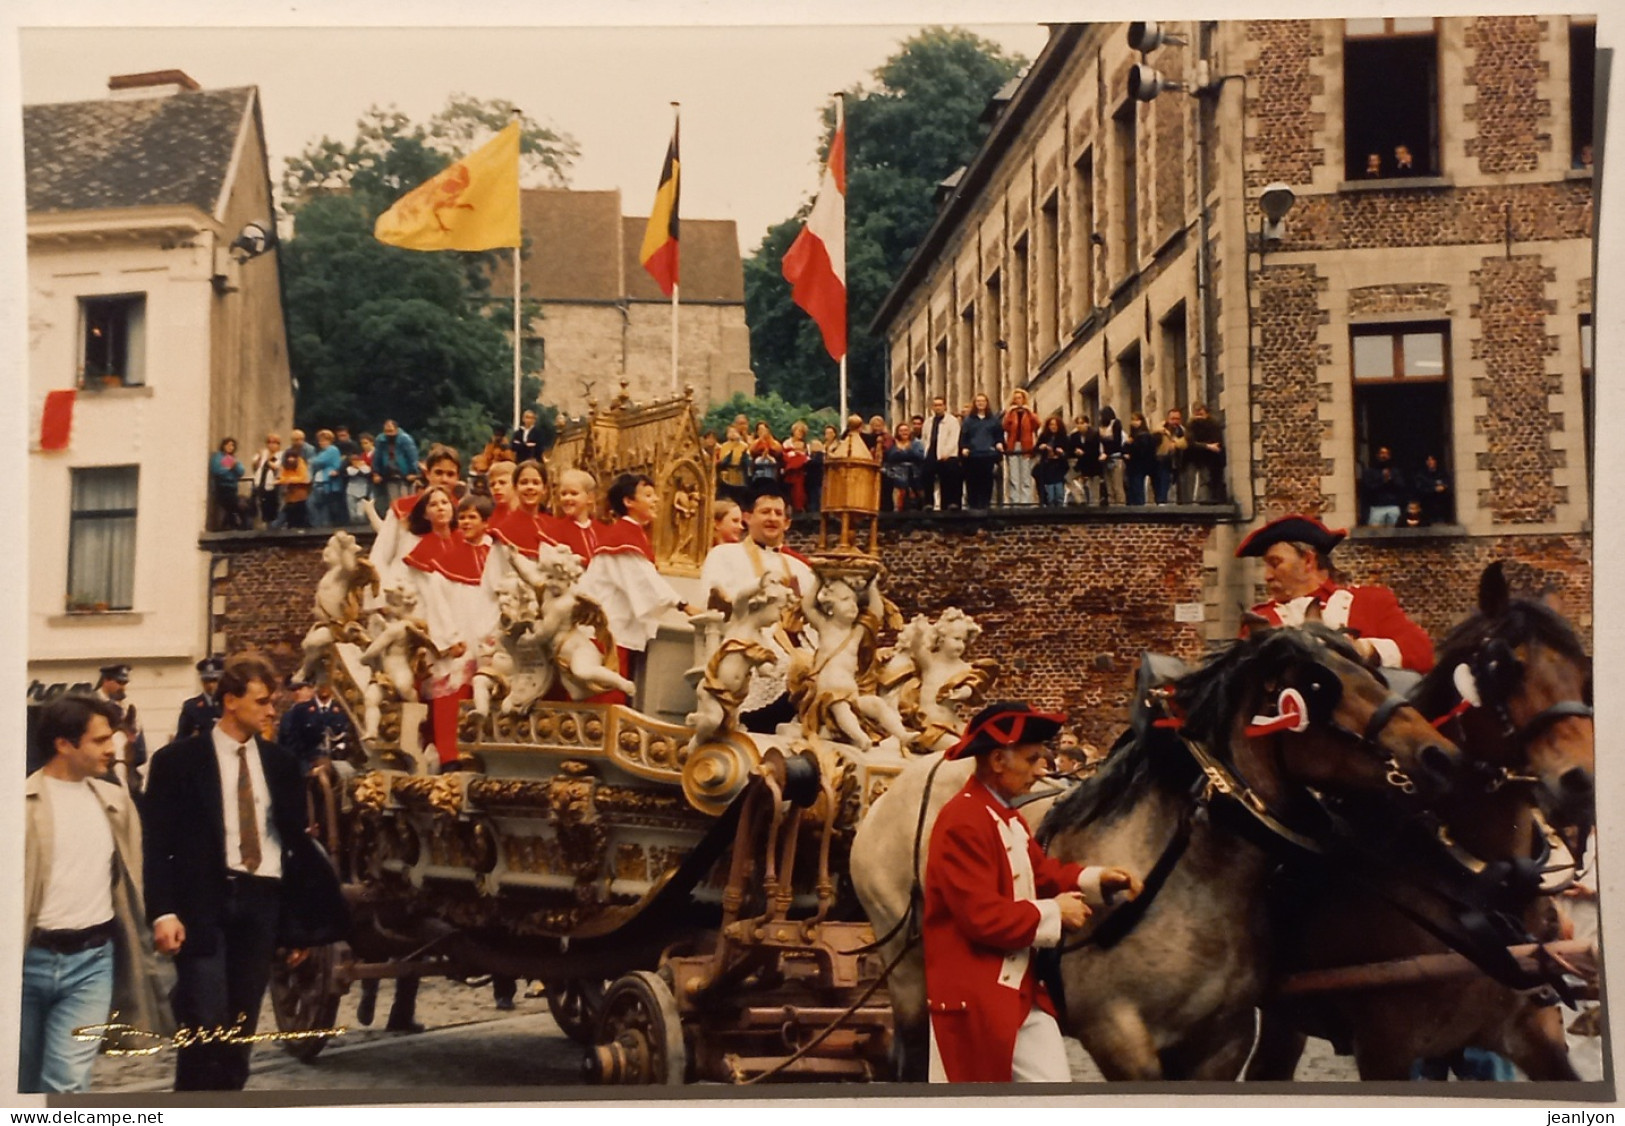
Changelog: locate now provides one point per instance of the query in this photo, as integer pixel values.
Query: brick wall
(1436, 577)
(1066, 605)
(1513, 346)
(1421, 216)
(1282, 82)
(1421, 297)
(1514, 124)
(1286, 392)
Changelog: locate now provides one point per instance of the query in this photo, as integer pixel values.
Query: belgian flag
(659, 252)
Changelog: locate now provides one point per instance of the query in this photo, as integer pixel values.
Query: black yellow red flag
(659, 251)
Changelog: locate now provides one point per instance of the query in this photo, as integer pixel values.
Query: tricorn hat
(120, 673)
(210, 667)
(1292, 529)
(1005, 723)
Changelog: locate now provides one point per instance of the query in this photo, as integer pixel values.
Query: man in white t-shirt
(84, 950)
(731, 568)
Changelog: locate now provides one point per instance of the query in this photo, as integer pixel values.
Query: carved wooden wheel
(576, 1003)
(640, 1035)
(304, 996)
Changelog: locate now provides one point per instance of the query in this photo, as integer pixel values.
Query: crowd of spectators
(329, 484)
(978, 458)
(1394, 497)
(974, 458)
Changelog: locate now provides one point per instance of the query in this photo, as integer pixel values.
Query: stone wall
(1067, 604)
(1514, 122)
(1286, 394)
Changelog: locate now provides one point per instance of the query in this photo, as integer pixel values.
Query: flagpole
(840, 123)
(518, 374)
(675, 286)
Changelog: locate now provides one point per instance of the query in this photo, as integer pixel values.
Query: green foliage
(376, 330)
(907, 133)
(773, 409)
(391, 154)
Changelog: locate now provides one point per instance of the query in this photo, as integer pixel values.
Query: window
(1128, 374)
(112, 341)
(941, 355)
(1089, 400)
(1049, 278)
(1582, 91)
(963, 383)
(1020, 296)
(1390, 98)
(101, 539)
(988, 373)
(1083, 235)
(1402, 404)
(1123, 129)
(1175, 362)
(1588, 404)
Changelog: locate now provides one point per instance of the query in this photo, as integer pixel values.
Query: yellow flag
(473, 205)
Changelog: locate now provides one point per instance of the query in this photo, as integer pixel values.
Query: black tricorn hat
(1005, 723)
(1292, 529)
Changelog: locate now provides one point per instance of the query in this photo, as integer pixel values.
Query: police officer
(129, 741)
(199, 713)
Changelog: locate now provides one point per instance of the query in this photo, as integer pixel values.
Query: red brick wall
(1280, 85)
(1420, 216)
(1436, 578)
(1511, 315)
(1514, 126)
(1066, 608)
(1286, 392)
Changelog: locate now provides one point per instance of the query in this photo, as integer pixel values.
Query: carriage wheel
(640, 1035)
(577, 1003)
(304, 996)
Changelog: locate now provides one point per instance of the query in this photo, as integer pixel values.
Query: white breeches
(1040, 1055)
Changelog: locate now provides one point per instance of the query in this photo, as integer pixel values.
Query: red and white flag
(815, 264)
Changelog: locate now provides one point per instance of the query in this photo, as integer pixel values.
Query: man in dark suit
(527, 440)
(199, 713)
(231, 873)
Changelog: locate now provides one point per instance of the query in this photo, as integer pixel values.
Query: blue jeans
(1054, 493)
(62, 992)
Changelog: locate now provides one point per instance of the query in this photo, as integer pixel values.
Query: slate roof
(144, 152)
(709, 264)
(574, 239)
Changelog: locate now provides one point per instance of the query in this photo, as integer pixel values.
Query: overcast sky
(750, 96)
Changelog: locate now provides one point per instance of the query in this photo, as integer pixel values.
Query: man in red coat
(991, 895)
(1297, 570)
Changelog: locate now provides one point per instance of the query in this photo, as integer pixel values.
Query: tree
(919, 122)
(772, 409)
(376, 330)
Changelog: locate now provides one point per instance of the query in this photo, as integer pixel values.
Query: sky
(750, 96)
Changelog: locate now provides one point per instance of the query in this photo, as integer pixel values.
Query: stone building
(170, 339)
(603, 319)
(1429, 289)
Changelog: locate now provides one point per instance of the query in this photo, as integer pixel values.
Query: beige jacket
(139, 994)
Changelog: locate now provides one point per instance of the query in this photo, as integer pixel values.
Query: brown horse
(1176, 996)
(1520, 709)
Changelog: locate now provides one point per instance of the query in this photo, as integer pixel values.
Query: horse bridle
(1374, 727)
(1496, 668)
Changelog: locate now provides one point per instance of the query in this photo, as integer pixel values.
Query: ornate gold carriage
(682, 902)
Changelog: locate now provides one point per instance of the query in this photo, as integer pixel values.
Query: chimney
(152, 84)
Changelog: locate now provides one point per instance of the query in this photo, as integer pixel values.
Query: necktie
(936, 424)
(248, 820)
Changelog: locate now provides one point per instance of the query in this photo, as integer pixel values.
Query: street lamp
(1276, 200)
(254, 239)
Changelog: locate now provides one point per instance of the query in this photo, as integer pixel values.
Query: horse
(1512, 685)
(1175, 996)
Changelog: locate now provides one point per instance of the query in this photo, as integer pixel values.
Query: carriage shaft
(1431, 967)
